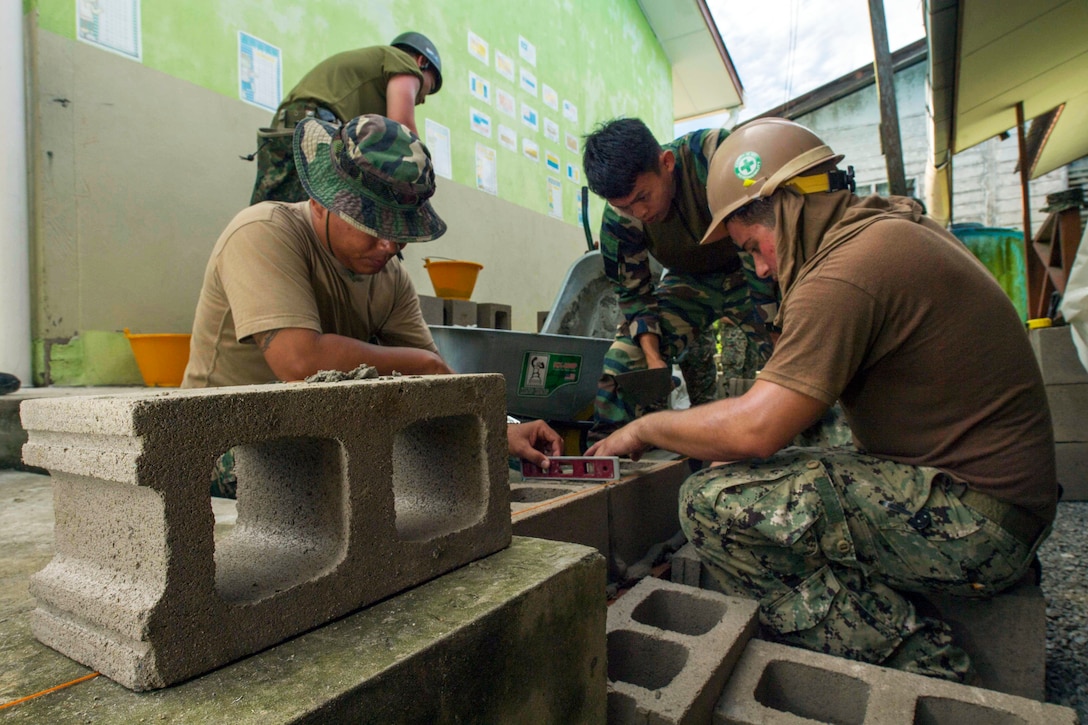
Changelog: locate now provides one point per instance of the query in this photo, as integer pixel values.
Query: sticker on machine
(542, 373)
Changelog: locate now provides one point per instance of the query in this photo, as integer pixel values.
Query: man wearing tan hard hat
(950, 486)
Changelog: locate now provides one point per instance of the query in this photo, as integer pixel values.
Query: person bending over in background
(951, 486)
(657, 207)
(387, 80)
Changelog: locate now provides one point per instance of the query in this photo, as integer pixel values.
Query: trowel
(646, 387)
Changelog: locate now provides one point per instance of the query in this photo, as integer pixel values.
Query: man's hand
(295, 353)
(534, 442)
(624, 442)
(651, 348)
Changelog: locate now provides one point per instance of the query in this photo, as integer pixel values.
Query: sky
(785, 48)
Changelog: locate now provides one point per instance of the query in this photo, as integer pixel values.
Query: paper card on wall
(526, 50)
(478, 48)
(438, 142)
(504, 64)
(550, 97)
(551, 161)
(505, 102)
(570, 111)
(555, 198)
(574, 173)
(260, 72)
(487, 178)
(530, 149)
(551, 130)
(572, 142)
(479, 87)
(481, 122)
(508, 138)
(112, 25)
(529, 117)
(528, 81)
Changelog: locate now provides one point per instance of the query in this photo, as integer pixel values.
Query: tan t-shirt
(929, 358)
(269, 271)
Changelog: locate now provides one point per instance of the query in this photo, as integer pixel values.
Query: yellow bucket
(452, 278)
(161, 357)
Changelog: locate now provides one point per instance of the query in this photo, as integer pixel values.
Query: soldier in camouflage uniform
(657, 207)
(384, 80)
(951, 484)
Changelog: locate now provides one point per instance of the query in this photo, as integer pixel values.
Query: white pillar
(15, 343)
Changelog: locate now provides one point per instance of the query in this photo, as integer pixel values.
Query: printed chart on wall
(438, 142)
(260, 72)
(514, 86)
(542, 373)
(113, 25)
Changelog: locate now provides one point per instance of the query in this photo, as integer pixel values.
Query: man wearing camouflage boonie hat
(293, 289)
(951, 487)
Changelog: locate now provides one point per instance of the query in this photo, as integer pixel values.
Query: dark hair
(760, 211)
(615, 153)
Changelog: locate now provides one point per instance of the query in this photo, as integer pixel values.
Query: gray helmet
(412, 42)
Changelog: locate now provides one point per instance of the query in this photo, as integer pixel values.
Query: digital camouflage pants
(687, 308)
(828, 541)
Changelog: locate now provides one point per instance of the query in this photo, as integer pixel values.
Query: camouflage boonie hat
(373, 172)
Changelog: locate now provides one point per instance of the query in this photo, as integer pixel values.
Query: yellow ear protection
(831, 181)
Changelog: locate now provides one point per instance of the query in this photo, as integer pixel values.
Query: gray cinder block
(460, 312)
(643, 507)
(774, 684)
(576, 513)
(433, 309)
(1069, 411)
(347, 493)
(493, 316)
(1072, 470)
(671, 649)
(1057, 356)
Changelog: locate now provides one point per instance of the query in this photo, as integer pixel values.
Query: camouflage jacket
(627, 243)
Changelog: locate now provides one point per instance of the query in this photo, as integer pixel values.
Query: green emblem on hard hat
(747, 165)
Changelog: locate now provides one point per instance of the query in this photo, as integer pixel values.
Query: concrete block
(774, 684)
(459, 312)
(434, 310)
(1005, 636)
(1069, 411)
(671, 649)
(1057, 356)
(643, 507)
(1073, 470)
(493, 316)
(577, 513)
(335, 512)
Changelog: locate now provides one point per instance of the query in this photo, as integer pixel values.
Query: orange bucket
(161, 357)
(452, 278)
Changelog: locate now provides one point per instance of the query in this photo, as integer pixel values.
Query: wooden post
(889, 113)
(1033, 266)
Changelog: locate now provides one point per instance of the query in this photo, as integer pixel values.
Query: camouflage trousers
(828, 541)
(277, 177)
(688, 307)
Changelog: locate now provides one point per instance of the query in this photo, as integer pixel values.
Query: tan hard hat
(757, 159)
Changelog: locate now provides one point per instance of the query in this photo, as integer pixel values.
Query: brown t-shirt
(929, 358)
(269, 271)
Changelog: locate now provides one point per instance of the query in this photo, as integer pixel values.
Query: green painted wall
(599, 54)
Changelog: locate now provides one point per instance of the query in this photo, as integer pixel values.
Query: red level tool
(576, 468)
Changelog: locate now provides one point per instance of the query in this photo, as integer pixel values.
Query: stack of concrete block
(459, 312)
(1067, 392)
(621, 519)
(671, 649)
(347, 493)
(1005, 636)
(775, 684)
